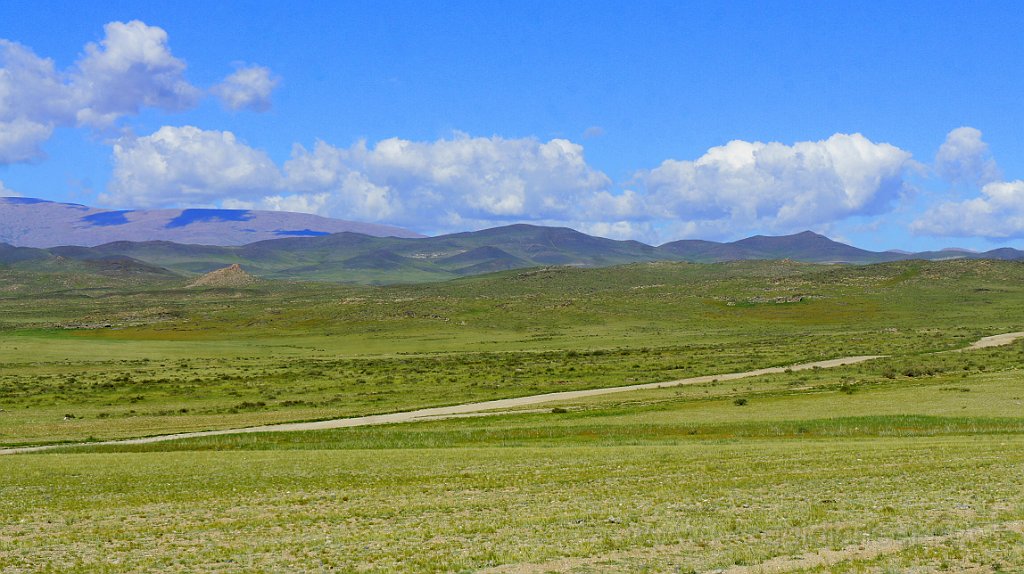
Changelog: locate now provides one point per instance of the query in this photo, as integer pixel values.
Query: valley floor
(647, 422)
(628, 481)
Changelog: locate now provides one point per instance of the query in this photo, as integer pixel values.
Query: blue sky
(893, 125)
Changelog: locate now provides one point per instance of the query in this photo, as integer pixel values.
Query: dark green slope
(700, 251)
(1004, 253)
(351, 257)
(10, 255)
(76, 260)
(806, 246)
(536, 245)
(485, 259)
(182, 258)
(355, 258)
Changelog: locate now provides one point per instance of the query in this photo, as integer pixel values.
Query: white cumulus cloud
(437, 185)
(332, 176)
(776, 187)
(34, 99)
(965, 158)
(130, 68)
(189, 166)
(463, 181)
(997, 214)
(20, 139)
(463, 178)
(249, 88)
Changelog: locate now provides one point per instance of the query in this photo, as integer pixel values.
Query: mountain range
(29, 222)
(360, 257)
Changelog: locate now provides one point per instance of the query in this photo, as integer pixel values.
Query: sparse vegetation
(918, 452)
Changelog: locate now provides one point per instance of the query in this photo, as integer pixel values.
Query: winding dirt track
(995, 340)
(488, 407)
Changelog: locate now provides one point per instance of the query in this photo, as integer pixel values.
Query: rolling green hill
(806, 246)
(355, 258)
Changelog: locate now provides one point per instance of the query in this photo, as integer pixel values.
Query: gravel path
(488, 407)
(996, 340)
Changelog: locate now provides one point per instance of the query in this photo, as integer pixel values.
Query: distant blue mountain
(30, 222)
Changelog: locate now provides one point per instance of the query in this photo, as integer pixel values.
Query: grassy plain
(914, 461)
(152, 359)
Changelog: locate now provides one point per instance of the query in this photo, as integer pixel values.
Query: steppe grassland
(919, 454)
(574, 491)
(177, 359)
(694, 506)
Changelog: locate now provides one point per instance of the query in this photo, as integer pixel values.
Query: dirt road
(459, 410)
(995, 340)
(483, 408)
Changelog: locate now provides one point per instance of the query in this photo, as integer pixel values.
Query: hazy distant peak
(31, 222)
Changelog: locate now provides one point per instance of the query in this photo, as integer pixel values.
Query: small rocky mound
(231, 276)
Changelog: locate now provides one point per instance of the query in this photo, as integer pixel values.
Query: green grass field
(913, 462)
